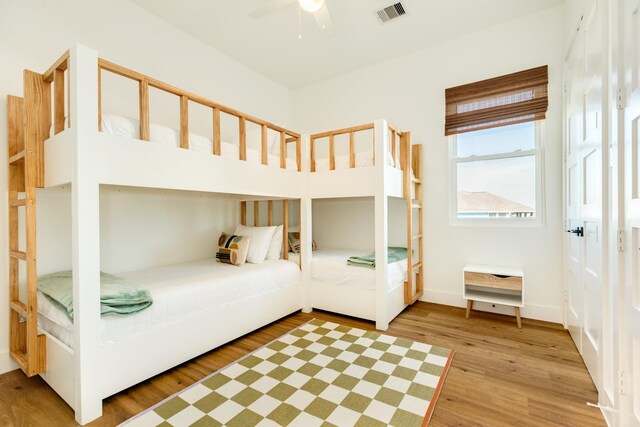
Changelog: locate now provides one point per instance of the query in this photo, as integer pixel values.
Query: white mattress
(130, 128)
(179, 291)
(330, 266)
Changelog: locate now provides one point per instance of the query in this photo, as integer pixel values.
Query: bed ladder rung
(416, 180)
(20, 359)
(16, 157)
(19, 307)
(416, 205)
(19, 255)
(417, 236)
(17, 202)
(416, 297)
(416, 266)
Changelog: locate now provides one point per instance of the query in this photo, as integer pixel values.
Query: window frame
(537, 152)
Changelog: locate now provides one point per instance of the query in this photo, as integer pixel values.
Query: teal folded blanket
(117, 295)
(369, 261)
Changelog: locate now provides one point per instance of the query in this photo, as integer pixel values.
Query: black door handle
(579, 231)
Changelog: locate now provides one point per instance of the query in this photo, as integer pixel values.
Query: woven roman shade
(514, 98)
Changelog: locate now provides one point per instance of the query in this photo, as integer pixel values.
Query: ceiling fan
(318, 8)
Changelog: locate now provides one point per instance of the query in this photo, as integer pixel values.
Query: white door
(573, 137)
(591, 209)
(631, 314)
(584, 201)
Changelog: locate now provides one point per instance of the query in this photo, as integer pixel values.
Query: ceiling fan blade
(270, 7)
(323, 18)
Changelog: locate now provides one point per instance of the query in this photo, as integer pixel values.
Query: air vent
(390, 12)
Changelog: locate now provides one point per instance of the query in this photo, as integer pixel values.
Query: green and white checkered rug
(321, 373)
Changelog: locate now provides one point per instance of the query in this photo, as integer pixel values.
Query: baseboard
(530, 311)
(6, 364)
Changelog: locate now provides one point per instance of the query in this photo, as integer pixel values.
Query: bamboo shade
(514, 98)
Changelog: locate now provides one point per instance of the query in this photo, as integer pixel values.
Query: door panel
(631, 311)
(591, 210)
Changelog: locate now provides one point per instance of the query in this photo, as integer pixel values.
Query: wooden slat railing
(351, 131)
(145, 82)
(256, 220)
(394, 147)
(55, 74)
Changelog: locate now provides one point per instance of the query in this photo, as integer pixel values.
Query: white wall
(33, 34)
(409, 91)
(350, 223)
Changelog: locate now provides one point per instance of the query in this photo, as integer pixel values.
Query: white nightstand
(495, 285)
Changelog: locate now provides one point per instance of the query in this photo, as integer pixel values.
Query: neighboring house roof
(483, 201)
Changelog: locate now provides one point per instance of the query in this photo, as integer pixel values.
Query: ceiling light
(311, 5)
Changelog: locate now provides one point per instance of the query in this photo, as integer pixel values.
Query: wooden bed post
(332, 152)
(393, 146)
(283, 150)
(184, 122)
(216, 132)
(381, 138)
(144, 110)
(256, 213)
(312, 159)
(270, 213)
(263, 148)
(242, 122)
(37, 120)
(58, 101)
(285, 229)
(85, 230)
(299, 153)
(352, 149)
(243, 213)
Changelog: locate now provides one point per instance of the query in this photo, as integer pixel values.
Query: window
(496, 173)
(495, 129)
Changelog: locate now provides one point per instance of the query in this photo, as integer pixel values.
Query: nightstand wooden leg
(469, 307)
(518, 317)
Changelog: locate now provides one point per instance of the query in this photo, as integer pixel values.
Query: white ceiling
(270, 45)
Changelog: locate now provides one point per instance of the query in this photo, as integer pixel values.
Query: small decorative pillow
(233, 249)
(294, 242)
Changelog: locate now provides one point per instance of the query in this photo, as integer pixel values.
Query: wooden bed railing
(146, 82)
(256, 220)
(394, 146)
(332, 135)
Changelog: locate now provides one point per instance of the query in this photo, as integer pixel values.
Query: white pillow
(275, 248)
(260, 241)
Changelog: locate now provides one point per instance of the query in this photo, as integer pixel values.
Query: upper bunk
(239, 154)
(256, 157)
(374, 159)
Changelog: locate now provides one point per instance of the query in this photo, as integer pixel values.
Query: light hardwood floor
(500, 376)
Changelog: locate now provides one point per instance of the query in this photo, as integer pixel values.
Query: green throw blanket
(369, 261)
(117, 296)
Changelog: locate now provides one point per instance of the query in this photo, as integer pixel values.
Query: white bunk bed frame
(379, 181)
(85, 158)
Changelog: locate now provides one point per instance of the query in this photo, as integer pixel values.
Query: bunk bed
(382, 293)
(58, 126)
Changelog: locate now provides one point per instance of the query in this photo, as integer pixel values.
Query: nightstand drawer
(513, 283)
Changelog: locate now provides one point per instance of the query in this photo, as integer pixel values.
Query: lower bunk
(341, 288)
(197, 307)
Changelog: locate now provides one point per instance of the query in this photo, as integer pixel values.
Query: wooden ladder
(29, 121)
(412, 155)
